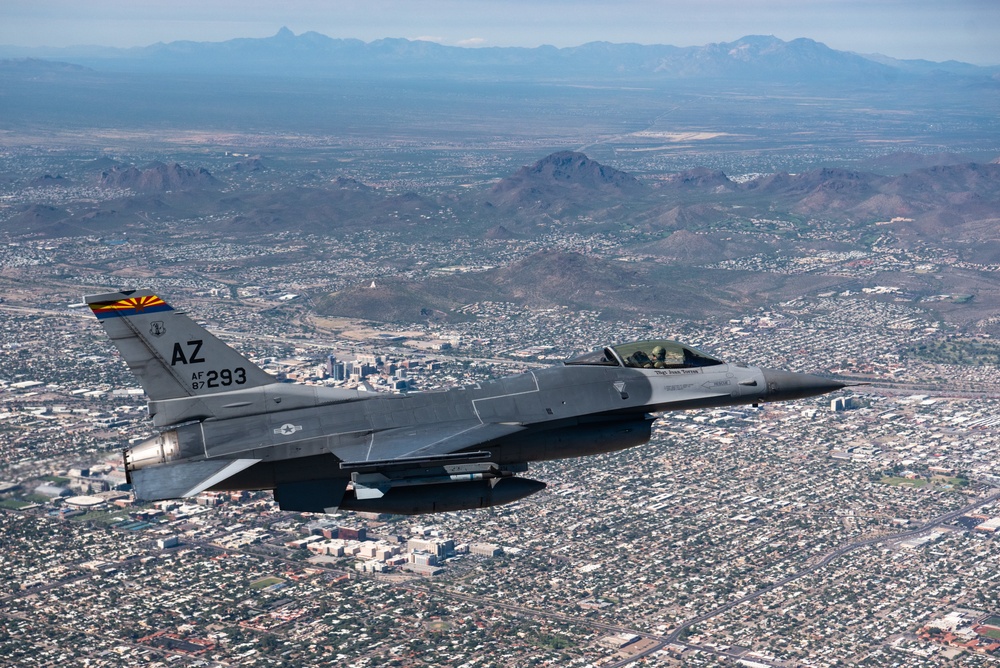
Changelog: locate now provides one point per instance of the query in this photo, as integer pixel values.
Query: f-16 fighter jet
(225, 424)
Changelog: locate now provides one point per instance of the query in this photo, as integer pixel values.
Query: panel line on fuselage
(475, 409)
(442, 440)
(371, 444)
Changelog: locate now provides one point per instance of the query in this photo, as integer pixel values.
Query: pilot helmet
(658, 351)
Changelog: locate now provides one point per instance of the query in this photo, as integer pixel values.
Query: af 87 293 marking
(222, 378)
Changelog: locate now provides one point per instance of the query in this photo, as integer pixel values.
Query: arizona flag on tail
(130, 306)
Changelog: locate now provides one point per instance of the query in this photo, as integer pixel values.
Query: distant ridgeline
(312, 54)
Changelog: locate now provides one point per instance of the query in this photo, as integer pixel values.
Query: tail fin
(170, 354)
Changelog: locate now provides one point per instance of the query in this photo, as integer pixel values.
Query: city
(723, 537)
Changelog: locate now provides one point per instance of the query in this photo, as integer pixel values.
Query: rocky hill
(562, 182)
(158, 177)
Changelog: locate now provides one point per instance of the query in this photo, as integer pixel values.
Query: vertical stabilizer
(170, 354)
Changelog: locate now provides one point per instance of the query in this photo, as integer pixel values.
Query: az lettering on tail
(179, 355)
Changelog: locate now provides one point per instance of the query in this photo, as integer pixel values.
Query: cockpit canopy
(656, 354)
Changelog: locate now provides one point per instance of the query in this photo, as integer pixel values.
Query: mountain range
(565, 189)
(677, 228)
(314, 55)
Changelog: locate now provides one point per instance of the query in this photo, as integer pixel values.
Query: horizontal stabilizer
(175, 481)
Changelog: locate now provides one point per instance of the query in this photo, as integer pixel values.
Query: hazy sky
(967, 30)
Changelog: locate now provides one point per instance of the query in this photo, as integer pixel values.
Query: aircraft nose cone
(785, 385)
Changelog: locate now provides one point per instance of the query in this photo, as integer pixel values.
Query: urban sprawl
(858, 529)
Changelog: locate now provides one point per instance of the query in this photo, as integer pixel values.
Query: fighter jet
(225, 424)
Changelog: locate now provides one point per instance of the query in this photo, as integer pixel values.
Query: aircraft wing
(425, 441)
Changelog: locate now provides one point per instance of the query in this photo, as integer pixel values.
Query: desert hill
(562, 183)
(158, 177)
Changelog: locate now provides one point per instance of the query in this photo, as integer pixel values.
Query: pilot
(659, 358)
(640, 360)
